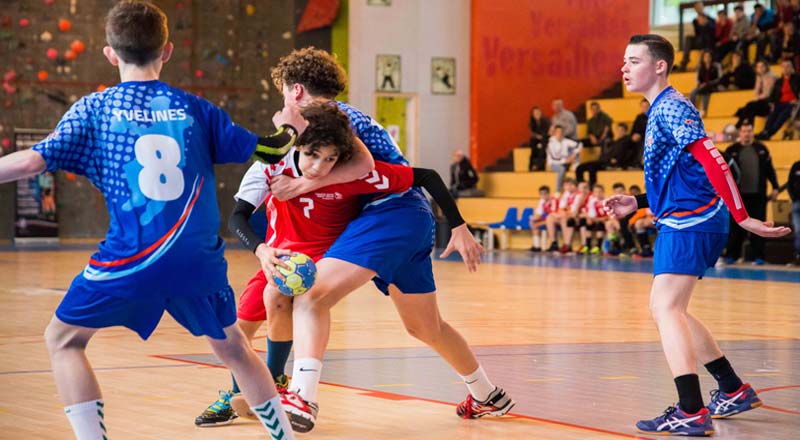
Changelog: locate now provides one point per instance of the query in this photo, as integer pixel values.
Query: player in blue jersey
(390, 242)
(150, 149)
(691, 192)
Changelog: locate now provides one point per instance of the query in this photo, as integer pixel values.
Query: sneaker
(676, 422)
(497, 404)
(729, 260)
(646, 252)
(584, 250)
(565, 249)
(595, 250)
(758, 262)
(239, 404)
(553, 247)
(219, 413)
(724, 405)
(535, 249)
(302, 414)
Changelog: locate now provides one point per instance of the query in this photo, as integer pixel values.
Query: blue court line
(616, 264)
(142, 367)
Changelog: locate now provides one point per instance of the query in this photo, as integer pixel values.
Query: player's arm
(20, 165)
(290, 125)
(239, 225)
(704, 151)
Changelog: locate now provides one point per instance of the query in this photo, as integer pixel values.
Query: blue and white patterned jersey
(384, 149)
(678, 190)
(150, 149)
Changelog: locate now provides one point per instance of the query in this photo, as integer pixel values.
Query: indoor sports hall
(474, 90)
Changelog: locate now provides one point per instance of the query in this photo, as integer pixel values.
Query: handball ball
(300, 275)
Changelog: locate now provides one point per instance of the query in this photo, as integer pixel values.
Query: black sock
(644, 242)
(722, 371)
(689, 395)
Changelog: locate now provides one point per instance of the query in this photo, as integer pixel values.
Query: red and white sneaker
(498, 404)
(302, 414)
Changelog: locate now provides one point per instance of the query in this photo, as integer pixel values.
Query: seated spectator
(782, 100)
(637, 132)
(739, 30)
(739, 76)
(564, 201)
(763, 23)
(598, 127)
(620, 154)
(785, 43)
(615, 229)
(723, 35)
(547, 204)
(540, 131)
(793, 185)
(703, 38)
(708, 74)
(626, 226)
(565, 118)
(759, 106)
(643, 220)
(463, 177)
(561, 153)
(595, 219)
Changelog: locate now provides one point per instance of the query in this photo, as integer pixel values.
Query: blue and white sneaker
(724, 405)
(676, 422)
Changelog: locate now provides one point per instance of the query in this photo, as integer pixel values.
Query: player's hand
(462, 241)
(286, 188)
(774, 195)
(618, 206)
(764, 229)
(269, 257)
(290, 115)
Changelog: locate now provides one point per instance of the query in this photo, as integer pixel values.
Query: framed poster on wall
(36, 221)
(443, 76)
(387, 73)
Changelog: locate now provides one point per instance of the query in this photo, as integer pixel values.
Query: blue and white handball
(299, 277)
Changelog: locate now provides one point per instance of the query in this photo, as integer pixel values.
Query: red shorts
(251, 303)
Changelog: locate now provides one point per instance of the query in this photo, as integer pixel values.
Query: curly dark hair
(327, 126)
(314, 69)
(137, 31)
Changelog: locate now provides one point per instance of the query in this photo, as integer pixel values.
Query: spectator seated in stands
(708, 74)
(619, 154)
(598, 127)
(739, 75)
(723, 36)
(793, 185)
(559, 211)
(637, 132)
(565, 118)
(594, 219)
(739, 32)
(547, 204)
(703, 38)
(540, 131)
(759, 106)
(561, 153)
(463, 177)
(782, 100)
(762, 26)
(785, 44)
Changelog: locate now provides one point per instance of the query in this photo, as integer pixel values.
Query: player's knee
(58, 337)
(427, 331)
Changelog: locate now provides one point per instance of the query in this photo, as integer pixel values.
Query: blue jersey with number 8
(150, 149)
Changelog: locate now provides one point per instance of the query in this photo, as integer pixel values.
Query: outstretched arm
(461, 240)
(21, 165)
(285, 188)
(721, 179)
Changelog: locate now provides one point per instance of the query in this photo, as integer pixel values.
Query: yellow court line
(618, 377)
(760, 374)
(393, 385)
(544, 379)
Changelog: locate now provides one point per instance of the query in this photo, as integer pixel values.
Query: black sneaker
(218, 413)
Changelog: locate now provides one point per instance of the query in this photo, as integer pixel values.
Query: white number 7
(309, 206)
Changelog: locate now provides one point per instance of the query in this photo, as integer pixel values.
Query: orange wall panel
(529, 52)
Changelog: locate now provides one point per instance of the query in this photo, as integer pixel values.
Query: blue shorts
(394, 239)
(201, 315)
(687, 252)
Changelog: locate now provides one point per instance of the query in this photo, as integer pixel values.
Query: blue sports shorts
(687, 252)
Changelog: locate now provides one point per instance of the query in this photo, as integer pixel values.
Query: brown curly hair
(314, 69)
(327, 126)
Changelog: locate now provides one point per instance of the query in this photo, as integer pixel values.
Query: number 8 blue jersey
(150, 149)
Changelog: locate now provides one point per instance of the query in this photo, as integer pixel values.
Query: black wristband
(641, 201)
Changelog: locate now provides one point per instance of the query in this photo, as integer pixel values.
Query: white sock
(305, 378)
(273, 417)
(478, 384)
(536, 240)
(86, 419)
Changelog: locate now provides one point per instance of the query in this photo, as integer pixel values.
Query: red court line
(777, 408)
(395, 396)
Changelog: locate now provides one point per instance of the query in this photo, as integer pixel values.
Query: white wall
(417, 30)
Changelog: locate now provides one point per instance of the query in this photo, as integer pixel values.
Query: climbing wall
(51, 55)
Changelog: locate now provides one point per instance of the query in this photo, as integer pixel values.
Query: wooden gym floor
(569, 337)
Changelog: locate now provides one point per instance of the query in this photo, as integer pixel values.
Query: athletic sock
(305, 378)
(643, 241)
(86, 419)
(689, 395)
(277, 355)
(536, 240)
(478, 384)
(722, 371)
(234, 385)
(273, 417)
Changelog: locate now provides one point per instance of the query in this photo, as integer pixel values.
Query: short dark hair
(594, 103)
(722, 12)
(327, 126)
(635, 187)
(623, 125)
(558, 126)
(137, 31)
(738, 8)
(659, 47)
(569, 180)
(544, 188)
(758, 6)
(315, 69)
(597, 185)
(618, 185)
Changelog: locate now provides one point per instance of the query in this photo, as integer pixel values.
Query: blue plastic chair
(525, 220)
(509, 222)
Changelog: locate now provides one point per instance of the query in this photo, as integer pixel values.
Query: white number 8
(160, 178)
